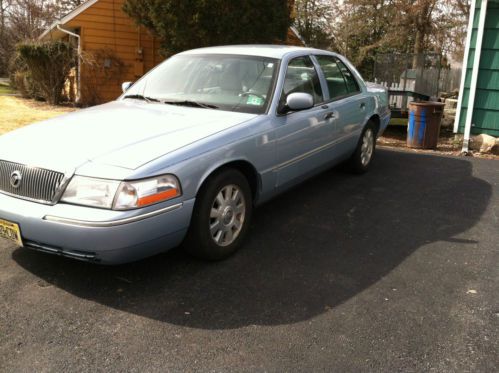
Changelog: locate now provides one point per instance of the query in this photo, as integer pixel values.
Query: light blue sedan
(184, 155)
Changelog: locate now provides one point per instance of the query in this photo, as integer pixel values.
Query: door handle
(329, 115)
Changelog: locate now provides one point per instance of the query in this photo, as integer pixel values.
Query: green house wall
(486, 110)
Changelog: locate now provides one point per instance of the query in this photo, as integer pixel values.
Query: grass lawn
(5, 89)
(16, 112)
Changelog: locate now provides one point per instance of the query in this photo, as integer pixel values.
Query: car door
(301, 135)
(346, 100)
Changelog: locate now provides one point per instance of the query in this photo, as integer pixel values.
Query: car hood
(125, 134)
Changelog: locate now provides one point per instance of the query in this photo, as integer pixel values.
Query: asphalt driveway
(396, 270)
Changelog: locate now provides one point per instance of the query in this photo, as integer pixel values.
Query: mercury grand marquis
(186, 153)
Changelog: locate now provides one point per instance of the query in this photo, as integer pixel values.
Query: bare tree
(23, 20)
(65, 6)
(28, 18)
(462, 6)
(4, 7)
(312, 19)
(363, 28)
(4, 35)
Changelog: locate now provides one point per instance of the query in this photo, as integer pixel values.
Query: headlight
(117, 195)
(91, 192)
(134, 194)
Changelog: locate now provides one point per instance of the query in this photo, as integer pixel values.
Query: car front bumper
(98, 235)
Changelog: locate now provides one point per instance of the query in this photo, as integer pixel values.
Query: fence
(395, 71)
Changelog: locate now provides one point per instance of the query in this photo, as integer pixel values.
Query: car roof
(271, 51)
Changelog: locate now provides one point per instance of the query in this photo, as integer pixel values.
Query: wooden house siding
(105, 28)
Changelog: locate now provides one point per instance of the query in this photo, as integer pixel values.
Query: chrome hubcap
(367, 149)
(227, 215)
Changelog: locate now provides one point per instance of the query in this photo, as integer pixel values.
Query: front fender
(241, 163)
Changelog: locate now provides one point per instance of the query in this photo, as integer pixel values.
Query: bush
(16, 65)
(47, 67)
(27, 87)
(99, 68)
(21, 80)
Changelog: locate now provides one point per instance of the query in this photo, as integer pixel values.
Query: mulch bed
(448, 144)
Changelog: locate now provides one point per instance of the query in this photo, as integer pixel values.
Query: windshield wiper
(141, 97)
(191, 104)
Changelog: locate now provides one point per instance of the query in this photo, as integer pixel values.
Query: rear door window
(352, 85)
(340, 80)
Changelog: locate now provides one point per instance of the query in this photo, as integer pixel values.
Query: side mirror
(125, 86)
(299, 101)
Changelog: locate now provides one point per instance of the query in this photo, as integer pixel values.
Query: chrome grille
(37, 184)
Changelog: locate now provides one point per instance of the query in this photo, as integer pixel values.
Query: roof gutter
(68, 17)
(295, 31)
(474, 76)
(78, 84)
(465, 65)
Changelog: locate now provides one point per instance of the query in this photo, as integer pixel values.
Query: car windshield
(225, 82)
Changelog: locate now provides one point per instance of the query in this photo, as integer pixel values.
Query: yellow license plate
(11, 232)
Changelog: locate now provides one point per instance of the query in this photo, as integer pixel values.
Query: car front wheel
(221, 216)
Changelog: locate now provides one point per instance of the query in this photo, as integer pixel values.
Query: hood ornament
(15, 179)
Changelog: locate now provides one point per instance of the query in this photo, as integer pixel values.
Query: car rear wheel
(364, 153)
(221, 216)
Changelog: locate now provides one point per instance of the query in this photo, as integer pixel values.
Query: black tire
(356, 162)
(199, 241)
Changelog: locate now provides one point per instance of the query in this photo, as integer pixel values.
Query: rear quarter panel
(381, 107)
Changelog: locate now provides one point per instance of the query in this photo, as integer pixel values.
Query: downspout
(78, 84)
(297, 34)
(474, 76)
(465, 66)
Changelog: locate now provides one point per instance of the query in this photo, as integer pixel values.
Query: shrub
(99, 68)
(48, 65)
(16, 66)
(21, 80)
